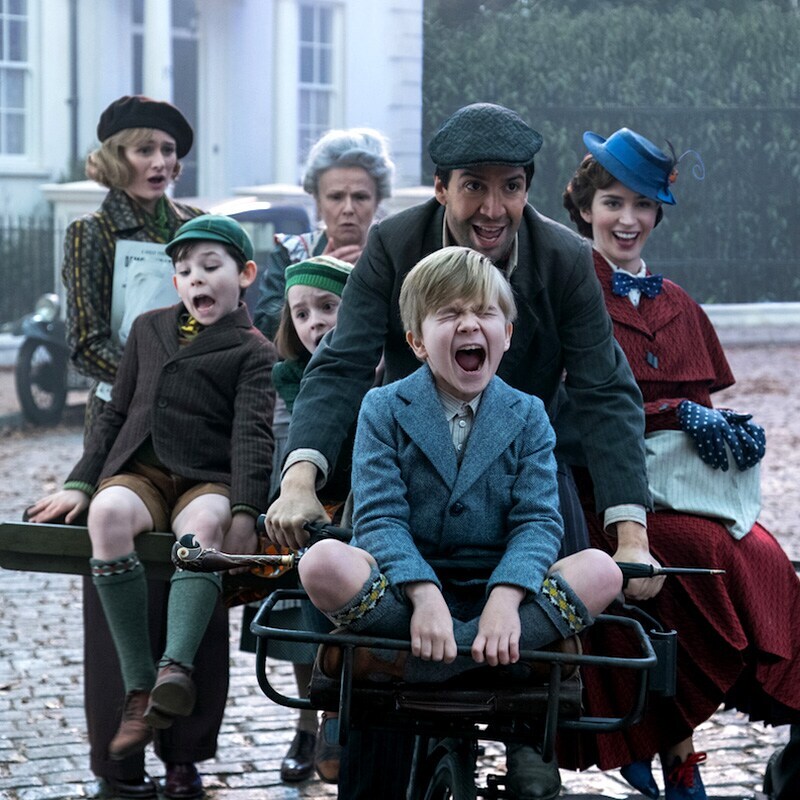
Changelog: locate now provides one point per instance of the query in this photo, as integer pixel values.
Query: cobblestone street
(43, 749)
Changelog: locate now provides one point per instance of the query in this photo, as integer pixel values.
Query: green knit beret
(323, 272)
(484, 133)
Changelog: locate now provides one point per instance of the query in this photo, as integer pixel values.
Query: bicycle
(449, 720)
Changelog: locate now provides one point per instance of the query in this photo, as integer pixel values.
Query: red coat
(671, 346)
(732, 645)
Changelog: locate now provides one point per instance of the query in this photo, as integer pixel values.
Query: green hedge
(720, 78)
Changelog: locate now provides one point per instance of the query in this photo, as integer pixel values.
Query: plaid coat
(88, 276)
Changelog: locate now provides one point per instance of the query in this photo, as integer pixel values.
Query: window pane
(325, 70)
(14, 90)
(15, 134)
(306, 64)
(17, 6)
(2, 38)
(306, 24)
(18, 40)
(305, 107)
(184, 14)
(138, 63)
(323, 109)
(325, 25)
(138, 12)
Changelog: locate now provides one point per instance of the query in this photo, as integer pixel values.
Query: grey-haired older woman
(348, 173)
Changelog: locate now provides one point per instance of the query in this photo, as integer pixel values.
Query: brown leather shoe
(134, 733)
(173, 695)
(182, 782)
(298, 762)
(328, 752)
(367, 665)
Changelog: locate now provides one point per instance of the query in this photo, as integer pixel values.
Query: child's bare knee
(605, 571)
(107, 514)
(322, 562)
(207, 521)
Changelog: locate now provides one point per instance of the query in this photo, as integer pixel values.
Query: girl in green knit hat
(312, 295)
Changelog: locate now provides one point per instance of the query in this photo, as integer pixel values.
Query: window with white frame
(317, 74)
(183, 17)
(14, 77)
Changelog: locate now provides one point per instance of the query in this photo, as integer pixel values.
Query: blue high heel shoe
(682, 780)
(639, 774)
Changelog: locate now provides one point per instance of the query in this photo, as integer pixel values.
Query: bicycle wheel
(41, 382)
(454, 777)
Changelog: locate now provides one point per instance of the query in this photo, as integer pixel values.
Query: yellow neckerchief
(188, 327)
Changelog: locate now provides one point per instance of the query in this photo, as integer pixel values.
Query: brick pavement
(43, 749)
(44, 754)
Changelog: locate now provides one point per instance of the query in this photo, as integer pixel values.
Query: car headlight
(47, 307)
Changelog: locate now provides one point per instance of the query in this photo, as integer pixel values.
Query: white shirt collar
(634, 295)
(453, 406)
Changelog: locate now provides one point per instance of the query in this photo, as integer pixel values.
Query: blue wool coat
(413, 501)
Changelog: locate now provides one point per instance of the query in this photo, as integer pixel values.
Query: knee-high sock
(192, 597)
(122, 587)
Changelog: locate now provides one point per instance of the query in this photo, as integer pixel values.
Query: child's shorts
(165, 495)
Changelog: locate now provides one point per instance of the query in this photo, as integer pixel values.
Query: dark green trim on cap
(323, 272)
(214, 228)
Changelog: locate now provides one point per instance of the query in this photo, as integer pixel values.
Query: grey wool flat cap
(484, 133)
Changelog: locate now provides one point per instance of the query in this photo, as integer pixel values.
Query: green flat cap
(214, 228)
(484, 133)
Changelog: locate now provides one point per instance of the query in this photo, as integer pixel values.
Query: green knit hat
(323, 272)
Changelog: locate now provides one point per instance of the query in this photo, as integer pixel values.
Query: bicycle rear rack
(403, 706)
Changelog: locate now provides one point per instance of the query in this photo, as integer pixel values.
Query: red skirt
(738, 640)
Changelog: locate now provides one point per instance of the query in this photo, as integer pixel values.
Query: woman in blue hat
(733, 646)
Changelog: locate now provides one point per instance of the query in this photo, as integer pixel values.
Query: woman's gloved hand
(711, 429)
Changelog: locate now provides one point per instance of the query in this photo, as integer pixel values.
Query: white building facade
(259, 80)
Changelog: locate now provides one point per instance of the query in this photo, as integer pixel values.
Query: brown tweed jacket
(207, 405)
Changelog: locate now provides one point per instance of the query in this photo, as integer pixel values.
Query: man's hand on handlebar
(632, 545)
(296, 505)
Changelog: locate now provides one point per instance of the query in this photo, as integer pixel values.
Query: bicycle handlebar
(189, 555)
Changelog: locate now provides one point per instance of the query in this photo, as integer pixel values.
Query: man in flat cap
(484, 157)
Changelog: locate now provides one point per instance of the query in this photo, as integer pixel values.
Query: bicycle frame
(406, 710)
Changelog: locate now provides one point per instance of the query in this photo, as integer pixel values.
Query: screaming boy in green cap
(184, 444)
(484, 157)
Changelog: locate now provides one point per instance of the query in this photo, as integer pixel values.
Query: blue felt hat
(634, 161)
